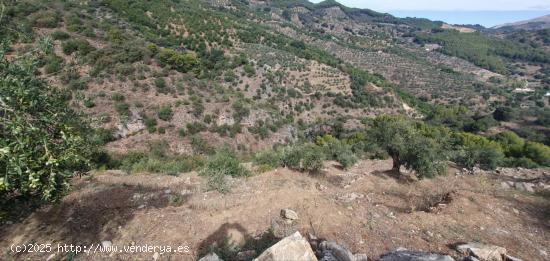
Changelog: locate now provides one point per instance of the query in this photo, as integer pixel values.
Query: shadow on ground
(93, 215)
(231, 238)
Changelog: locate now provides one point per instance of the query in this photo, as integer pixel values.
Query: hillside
(538, 23)
(111, 108)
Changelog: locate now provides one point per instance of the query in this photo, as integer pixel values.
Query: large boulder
(293, 247)
(482, 251)
(408, 255)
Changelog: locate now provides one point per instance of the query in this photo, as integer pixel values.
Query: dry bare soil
(365, 208)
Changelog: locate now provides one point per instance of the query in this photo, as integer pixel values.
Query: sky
(485, 12)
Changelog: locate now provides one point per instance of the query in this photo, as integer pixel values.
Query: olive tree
(42, 140)
(408, 145)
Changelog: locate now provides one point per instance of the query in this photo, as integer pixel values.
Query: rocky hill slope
(250, 72)
(538, 23)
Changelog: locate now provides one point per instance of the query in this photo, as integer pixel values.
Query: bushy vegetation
(155, 160)
(485, 51)
(268, 159)
(307, 157)
(223, 163)
(338, 150)
(413, 145)
(43, 142)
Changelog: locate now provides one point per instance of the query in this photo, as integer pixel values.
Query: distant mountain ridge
(538, 23)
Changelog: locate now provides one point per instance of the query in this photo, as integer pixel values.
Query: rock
(361, 257)
(51, 257)
(167, 191)
(246, 255)
(482, 251)
(352, 197)
(401, 254)
(331, 251)
(510, 258)
(210, 257)
(293, 247)
(282, 227)
(289, 214)
(504, 185)
(524, 186)
(106, 244)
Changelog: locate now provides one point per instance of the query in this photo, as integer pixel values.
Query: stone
(401, 254)
(504, 185)
(293, 247)
(210, 257)
(156, 256)
(524, 186)
(510, 258)
(361, 257)
(246, 255)
(106, 244)
(51, 257)
(330, 250)
(482, 251)
(282, 227)
(289, 214)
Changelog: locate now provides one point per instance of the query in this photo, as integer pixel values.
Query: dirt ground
(365, 208)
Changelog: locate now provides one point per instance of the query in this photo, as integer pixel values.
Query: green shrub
(60, 35)
(222, 163)
(77, 45)
(103, 136)
(45, 19)
(200, 146)
(195, 127)
(89, 103)
(268, 159)
(338, 150)
(53, 64)
(475, 150)
(520, 162)
(157, 160)
(150, 124)
(123, 109)
(183, 62)
(165, 113)
(505, 114)
(160, 83)
(511, 143)
(118, 97)
(538, 152)
(306, 157)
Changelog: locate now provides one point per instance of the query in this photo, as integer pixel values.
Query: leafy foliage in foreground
(42, 141)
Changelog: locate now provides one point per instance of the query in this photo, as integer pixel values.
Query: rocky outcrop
(331, 251)
(482, 251)
(293, 247)
(402, 254)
